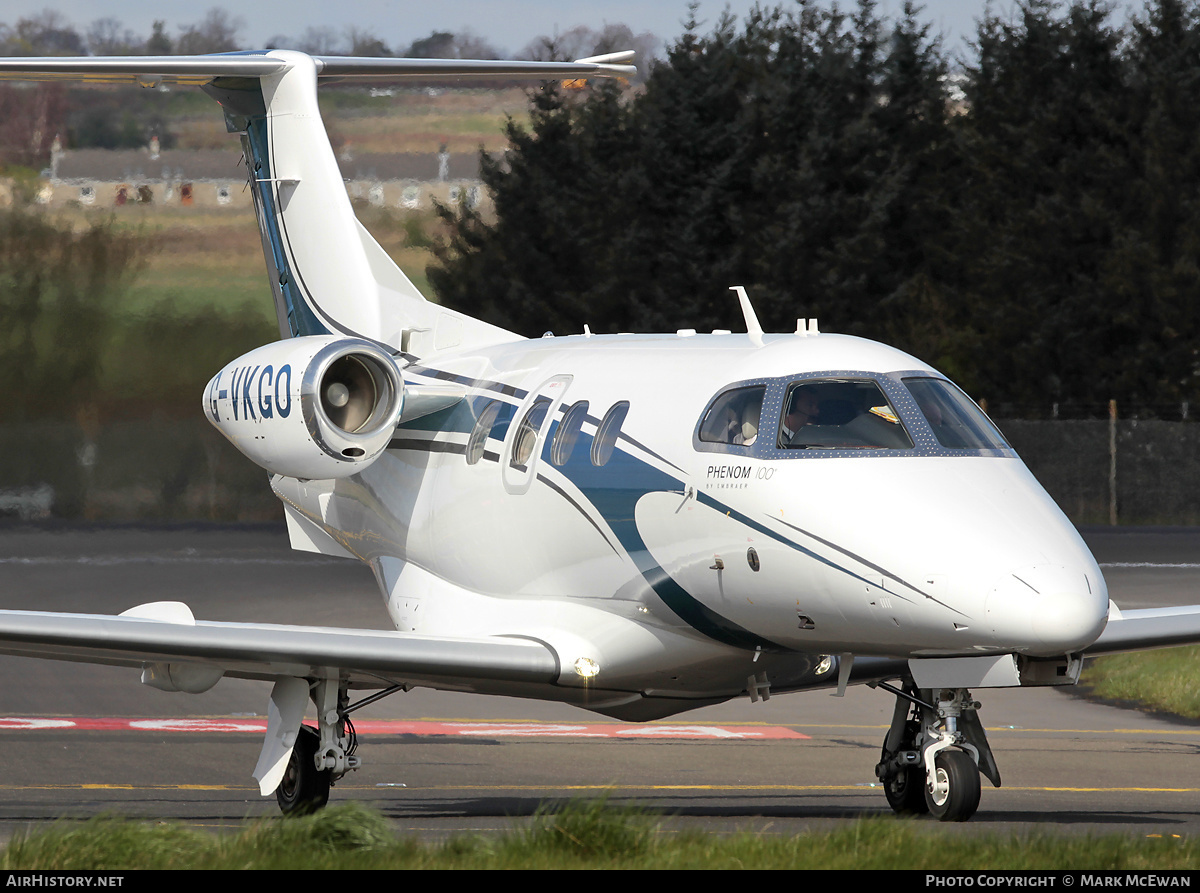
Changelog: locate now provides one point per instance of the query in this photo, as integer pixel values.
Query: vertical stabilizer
(327, 273)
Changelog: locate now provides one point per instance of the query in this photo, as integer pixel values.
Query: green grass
(582, 835)
(232, 290)
(203, 298)
(1166, 680)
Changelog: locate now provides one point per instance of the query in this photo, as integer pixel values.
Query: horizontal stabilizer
(152, 71)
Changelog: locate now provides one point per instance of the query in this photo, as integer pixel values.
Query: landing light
(586, 667)
(825, 665)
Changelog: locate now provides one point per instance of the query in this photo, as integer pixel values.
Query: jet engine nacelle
(315, 407)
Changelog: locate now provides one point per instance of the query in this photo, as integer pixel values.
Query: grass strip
(1165, 680)
(581, 835)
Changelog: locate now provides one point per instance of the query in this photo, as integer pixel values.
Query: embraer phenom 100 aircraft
(549, 519)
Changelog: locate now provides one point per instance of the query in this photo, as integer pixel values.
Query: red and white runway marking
(422, 728)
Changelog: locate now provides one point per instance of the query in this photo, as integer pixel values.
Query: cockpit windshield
(840, 415)
(957, 422)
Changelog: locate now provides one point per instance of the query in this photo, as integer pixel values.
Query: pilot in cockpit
(803, 409)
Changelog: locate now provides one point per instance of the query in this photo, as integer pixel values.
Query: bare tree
(582, 41)
(320, 41)
(438, 45)
(46, 34)
(364, 42)
(109, 37)
(468, 45)
(450, 45)
(217, 33)
(158, 44)
(30, 121)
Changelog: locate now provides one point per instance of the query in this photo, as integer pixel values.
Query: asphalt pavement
(82, 740)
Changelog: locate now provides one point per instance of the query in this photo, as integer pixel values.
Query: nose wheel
(953, 795)
(934, 753)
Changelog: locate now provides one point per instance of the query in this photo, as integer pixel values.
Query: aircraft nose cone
(1047, 610)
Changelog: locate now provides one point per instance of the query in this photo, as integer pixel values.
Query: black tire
(905, 791)
(961, 797)
(303, 789)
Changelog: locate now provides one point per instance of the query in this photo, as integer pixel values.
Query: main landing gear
(304, 787)
(321, 756)
(934, 753)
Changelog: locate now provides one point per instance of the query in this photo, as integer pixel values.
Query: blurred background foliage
(1026, 219)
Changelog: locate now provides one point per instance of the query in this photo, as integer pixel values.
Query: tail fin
(327, 273)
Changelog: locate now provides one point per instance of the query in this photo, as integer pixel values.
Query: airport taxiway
(1066, 762)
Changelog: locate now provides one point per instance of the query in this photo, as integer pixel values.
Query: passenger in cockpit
(734, 417)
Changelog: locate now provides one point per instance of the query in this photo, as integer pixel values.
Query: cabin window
(479, 434)
(527, 433)
(607, 432)
(733, 418)
(840, 414)
(568, 433)
(957, 423)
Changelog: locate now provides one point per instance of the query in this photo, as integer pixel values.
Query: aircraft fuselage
(759, 554)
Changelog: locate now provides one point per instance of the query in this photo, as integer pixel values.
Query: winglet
(169, 612)
(606, 58)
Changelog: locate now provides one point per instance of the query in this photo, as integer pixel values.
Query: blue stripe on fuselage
(614, 490)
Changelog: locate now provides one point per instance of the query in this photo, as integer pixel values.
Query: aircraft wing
(164, 637)
(1145, 628)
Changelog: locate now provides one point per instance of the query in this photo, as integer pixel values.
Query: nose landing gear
(934, 753)
(953, 795)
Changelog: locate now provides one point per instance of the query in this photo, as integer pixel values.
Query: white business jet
(634, 524)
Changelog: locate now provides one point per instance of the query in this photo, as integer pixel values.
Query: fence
(1119, 471)
(130, 471)
(1141, 471)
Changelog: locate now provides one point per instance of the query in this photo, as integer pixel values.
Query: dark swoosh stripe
(873, 567)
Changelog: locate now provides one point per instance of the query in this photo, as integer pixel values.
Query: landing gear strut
(904, 782)
(321, 756)
(934, 753)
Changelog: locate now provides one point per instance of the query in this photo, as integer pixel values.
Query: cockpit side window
(733, 418)
(957, 423)
(840, 414)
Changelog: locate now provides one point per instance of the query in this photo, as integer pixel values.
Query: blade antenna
(753, 329)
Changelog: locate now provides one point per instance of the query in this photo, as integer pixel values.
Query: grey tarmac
(1067, 763)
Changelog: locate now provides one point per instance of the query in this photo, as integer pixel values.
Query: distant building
(216, 177)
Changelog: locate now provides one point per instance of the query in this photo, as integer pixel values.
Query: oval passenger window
(479, 434)
(567, 434)
(606, 434)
